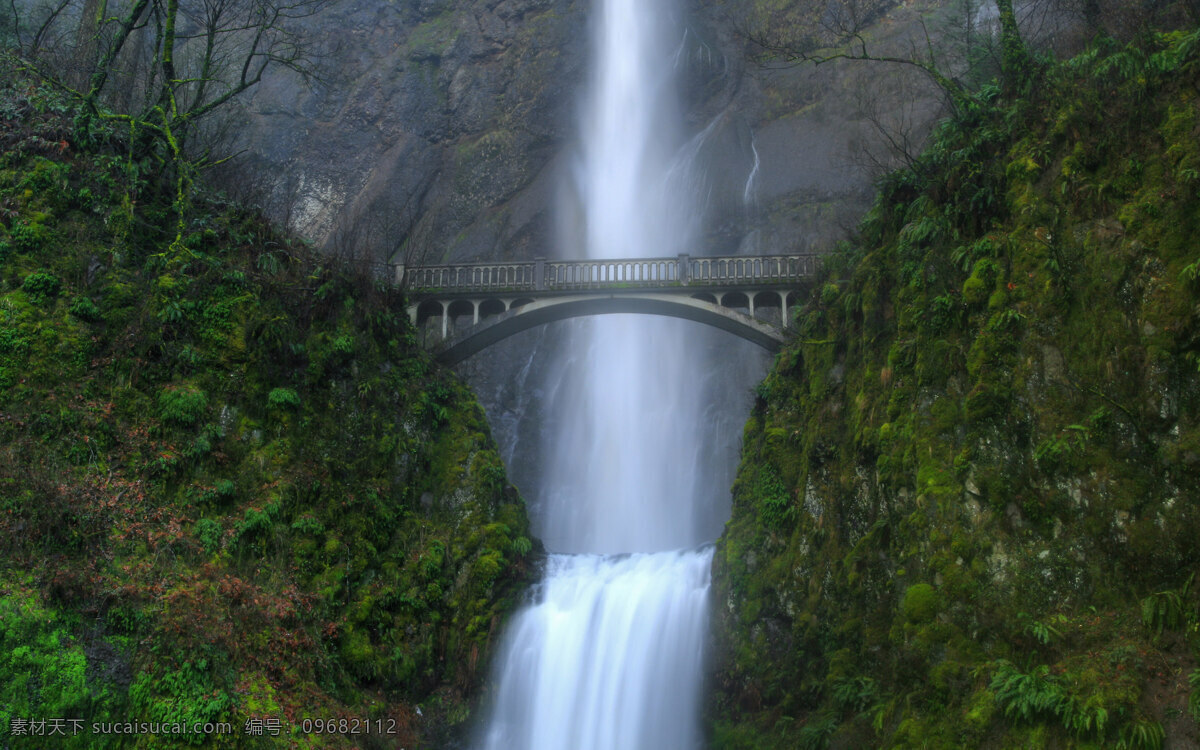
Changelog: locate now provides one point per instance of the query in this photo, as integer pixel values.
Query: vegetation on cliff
(232, 486)
(966, 512)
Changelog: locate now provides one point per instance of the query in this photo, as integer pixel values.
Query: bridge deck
(546, 277)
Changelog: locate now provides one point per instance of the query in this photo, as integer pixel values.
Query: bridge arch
(491, 307)
(539, 312)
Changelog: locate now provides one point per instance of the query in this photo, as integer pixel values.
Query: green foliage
(28, 237)
(308, 525)
(84, 309)
(1044, 632)
(975, 291)
(190, 459)
(775, 504)
(255, 521)
(1141, 734)
(209, 533)
(817, 731)
(920, 603)
(44, 670)
(855, 694)
(1170, 609)
(522, 545)
(1027, 695)
(182, 405)
(1194, 696)
(185, 695)
(41, 287)
(283, 398)
(1014, 336)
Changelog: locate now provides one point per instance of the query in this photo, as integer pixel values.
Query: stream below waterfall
(638, 454)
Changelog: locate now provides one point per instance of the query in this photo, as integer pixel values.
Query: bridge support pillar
(539, 274)
(683, 271)
(475, 304)
(750, 296)
(445, 320)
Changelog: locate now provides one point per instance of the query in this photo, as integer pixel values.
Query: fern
(1190, 272)
(1126, 65)
(1162, 611)
(816, 733)
(1166, 610)
(1036, 694)
(1007, 318)
(1194, 698)
(854, 693)
(1025, 696)
(1042, 632)
(1142, 734)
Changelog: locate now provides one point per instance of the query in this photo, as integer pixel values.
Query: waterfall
(639, 456)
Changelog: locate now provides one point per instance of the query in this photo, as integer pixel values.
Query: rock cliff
(965, 512)
(439, 130)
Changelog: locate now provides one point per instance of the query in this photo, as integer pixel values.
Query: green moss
(202, 455)
(434, 37)
(975, 291)
(920, 603)
(182, 405)
(1021, 398)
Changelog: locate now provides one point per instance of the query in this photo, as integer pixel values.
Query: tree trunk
(1014, 58)
(83, 61)
(1092, 17)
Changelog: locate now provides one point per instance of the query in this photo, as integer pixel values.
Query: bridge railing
(568, 275)
(473, 276)
(740, 269)
(597, 274)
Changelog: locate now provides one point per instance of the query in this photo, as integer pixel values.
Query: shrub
(209, 533)
(182, 405)
(306, 524)
(42, 669)
(84, 309)
(283, 398)
(254, 520)
(41, 286)
(27, 238)
(776, 508)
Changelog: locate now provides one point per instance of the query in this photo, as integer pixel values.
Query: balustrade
(655, 273)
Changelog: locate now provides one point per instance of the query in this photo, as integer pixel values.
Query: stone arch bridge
(479, 304)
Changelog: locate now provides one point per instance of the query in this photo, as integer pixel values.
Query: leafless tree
(818, 33)
(381, 233)
(162, 68)
(892, 129)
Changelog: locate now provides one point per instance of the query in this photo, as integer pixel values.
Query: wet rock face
(791, 152)
(437, 120)
(439, 129)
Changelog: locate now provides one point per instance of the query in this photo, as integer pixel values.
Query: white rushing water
(608, 658)
(610, 654)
